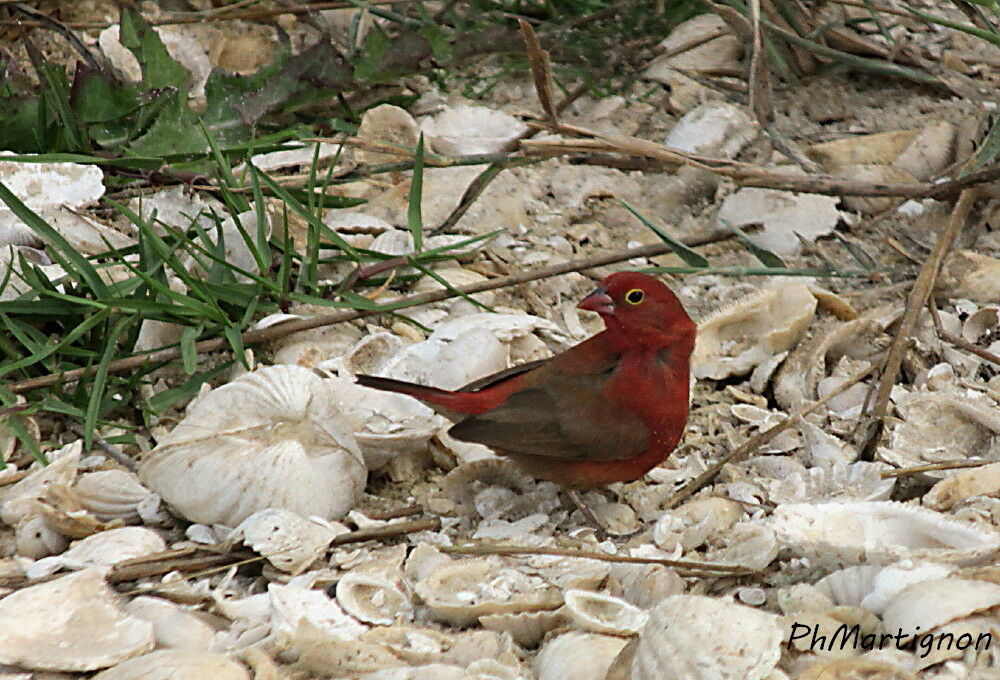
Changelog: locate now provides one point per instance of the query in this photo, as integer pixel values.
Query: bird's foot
(600, 528)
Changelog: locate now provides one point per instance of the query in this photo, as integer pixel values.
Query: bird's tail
(421, 392)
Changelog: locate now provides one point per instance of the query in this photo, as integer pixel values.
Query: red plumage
(606, 410)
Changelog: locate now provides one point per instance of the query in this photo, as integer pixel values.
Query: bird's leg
(588, 515)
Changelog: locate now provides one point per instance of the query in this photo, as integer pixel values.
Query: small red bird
(606, 410)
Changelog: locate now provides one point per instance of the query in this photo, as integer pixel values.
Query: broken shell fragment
(288, 541)
(463, 129)
(174, 626)
(115, 545)
(269, 439)
(926, 605)
(601, 613)
(877, 531)
(737, 338)
(525, 628)
(692, 637)
(374, 598)
(964, 484)
(970, 275)
(169, 664)
(577, 655)
(73, 623)
(19, 502)
(467, 589)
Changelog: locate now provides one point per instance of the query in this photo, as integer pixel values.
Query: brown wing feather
(559, 415)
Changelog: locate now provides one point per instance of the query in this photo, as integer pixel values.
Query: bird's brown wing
(561, 416)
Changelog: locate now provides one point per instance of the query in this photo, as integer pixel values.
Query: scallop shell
(371, 354)
(168, 664)
(496, 486)
(736, 339)
(525, 628)
(577, 655)
(112, 494)
(36, 539)
(797, 381)
(374, 598)
(939, 427)
(857, 481)
(465, 129)
(926, 605)
(752, 545)
(338, 656)
(962, 485)
(19, 502)
(174, 626)
(602, 613)
(871, 587)
(288, 541)
(878, 531)
(110, 547)
(412, 644)
(73, 623)
(269, 439)
(467, 589)
(385, 424)
(299, 613)
(644, 584)
(692, 637)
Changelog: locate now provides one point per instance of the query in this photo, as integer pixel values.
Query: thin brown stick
(393, 530)
(395, 513)
(261, 335)
(915, 302)
(931, 467)
(957, 341)
(760, 439)
(690, 565)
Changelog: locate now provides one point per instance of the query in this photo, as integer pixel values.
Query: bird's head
(639, 303)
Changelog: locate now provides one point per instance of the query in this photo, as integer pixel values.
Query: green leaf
(78, 266)
(24, 436)
(101, 379)
(159, 70)
(682, 251)
(189, 354)
(413, 215)
(235, 339)
(765, 256)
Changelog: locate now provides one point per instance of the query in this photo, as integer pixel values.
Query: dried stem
(392, 530)
(957, 341)
(760, 439)
(931, 467)
(689, 565)
(915, 302)
(261, 335)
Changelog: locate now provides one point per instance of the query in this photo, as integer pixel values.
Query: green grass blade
(101, 379)
(763, 255)
(189, 354)
(414, 218)
(687, 255)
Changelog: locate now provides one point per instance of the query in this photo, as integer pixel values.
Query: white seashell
(871, 587)
(411, 644)
(371, 353)
(601, 613)
(783, 215)
(339, 656)
(174, 626)
(577, 655)
(374, 598)
(962, 485)
(939, 427)
(879, 531)
(525, 628)
(385, 424)
(168, 664)
(434, 671)
(856, 481)
(713, 129)
(926, 605)
(269, 439)
(850, 585)
(740, 336)
(692, 637)
(803, 597)
(748, 544)
(36, 539)
(288, 541)
(467, 589)
(464, 129)
(423, 561)
(984, 321)
(19, 501)
(970, 275)
(112, 494)
(386, 124)
(644, 584)
(115, 545)
(73, 623)
(295, 608)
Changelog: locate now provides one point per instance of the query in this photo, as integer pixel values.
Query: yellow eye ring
(634, 296)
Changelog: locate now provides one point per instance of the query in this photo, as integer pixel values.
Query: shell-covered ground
(288, 523)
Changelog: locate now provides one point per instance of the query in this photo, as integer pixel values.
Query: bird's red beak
(599, 301)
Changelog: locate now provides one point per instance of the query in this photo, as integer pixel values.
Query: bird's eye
(634, 296)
